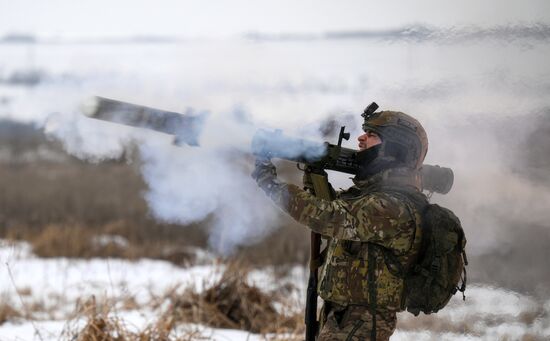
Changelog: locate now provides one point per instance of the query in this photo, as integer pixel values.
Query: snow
(49, 331)
(102, 277)
(62, 284)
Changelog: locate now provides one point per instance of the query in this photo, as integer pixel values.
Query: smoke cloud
(188, 184)
(482, 97)
(489, 313)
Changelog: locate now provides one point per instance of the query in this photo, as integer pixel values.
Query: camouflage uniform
(354, 323)
(372, 213)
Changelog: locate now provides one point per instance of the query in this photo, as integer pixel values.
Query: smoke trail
(500, 191)
(188, 184)
(94, 141)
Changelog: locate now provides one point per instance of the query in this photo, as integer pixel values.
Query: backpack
(441, 264)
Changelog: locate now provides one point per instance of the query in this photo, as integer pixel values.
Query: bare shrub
(60, 241)
(25, 291)
(7, 313)
(232, 303)
(100, 325)
(100, 328)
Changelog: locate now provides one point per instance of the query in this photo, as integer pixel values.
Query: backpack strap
(412, 200)
(462, 288)
(371, 259)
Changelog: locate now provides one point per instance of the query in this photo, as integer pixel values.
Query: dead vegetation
(100, 324)
(61, 209)
(65, 205)
(100, 328)
(229, 302)
(233, 303)
(8, 313)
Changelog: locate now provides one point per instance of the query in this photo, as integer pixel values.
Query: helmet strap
(396, 151)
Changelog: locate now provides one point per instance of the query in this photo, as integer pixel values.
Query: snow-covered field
(51, 292)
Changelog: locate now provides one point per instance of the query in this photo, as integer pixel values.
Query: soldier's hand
(265, 174)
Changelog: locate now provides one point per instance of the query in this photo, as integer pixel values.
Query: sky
(215, 18)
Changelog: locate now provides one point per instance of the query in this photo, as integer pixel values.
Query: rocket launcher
(186, 128)
(334, 157)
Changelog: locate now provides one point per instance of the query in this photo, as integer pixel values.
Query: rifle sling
(318, 261)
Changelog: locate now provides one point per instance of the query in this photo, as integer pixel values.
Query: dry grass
(100, 325)
(8, 313)
(233, 303)
(60, 208)
(60, 241)
(99, 328)
(230, 302)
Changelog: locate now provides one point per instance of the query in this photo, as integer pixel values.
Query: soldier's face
(368, 139)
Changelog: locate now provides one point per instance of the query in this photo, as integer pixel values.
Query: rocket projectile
(185, 127)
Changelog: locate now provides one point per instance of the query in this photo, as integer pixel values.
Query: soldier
(372, 228)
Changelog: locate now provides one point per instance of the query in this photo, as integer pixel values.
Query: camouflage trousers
(354, 323)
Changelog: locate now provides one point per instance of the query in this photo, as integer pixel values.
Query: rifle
(317, 176)
(321, 188)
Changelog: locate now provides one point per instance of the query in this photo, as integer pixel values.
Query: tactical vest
(344, 277)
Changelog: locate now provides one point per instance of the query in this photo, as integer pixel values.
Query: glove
(265, 174)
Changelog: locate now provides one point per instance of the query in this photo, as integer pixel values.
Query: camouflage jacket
(373, 211)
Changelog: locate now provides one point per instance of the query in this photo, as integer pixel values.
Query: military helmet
(403, 137)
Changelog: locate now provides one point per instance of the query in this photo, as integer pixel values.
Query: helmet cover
(403, 137)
